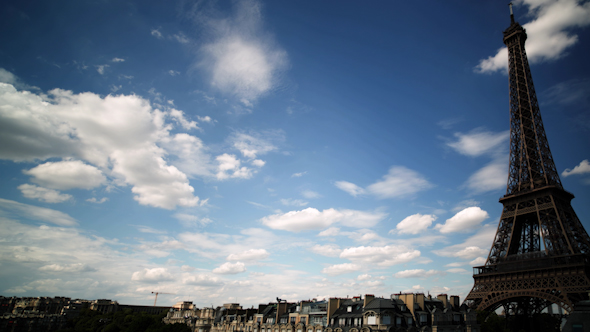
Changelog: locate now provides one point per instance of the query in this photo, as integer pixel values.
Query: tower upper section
(531, 165)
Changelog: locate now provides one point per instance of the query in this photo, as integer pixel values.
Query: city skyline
(241, 151)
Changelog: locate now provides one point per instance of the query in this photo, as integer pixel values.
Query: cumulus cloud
(478, 261)
(249, 255)
(418, 273)
(382, 256)
(329, 250)
(338, 269)
(230, 167)
(36, 213)
(465, 220)
(243, 60)
(43, 194)
(311, 218)
(64, 175)
(154, 275)
(479, 142)
(582, 168)
(415, 223)
(202, 280)
(399, 182)
(475, 246)
(120, 135)
(230, 268)
(549, 33)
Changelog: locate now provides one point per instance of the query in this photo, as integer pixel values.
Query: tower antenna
(511, 13)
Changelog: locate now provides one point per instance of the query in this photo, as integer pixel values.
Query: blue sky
(236, 151)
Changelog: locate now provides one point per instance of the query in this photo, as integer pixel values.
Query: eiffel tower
(541, 252)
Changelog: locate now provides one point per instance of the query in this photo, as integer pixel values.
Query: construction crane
(157, 296)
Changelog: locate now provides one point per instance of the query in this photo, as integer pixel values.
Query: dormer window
(349, 309)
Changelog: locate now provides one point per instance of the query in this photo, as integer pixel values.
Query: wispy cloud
(549, 33)
(398, 182)
(36, 213)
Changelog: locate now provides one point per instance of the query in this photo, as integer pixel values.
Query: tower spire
(511, 14)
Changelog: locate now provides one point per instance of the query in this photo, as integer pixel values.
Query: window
(423, 318)
(342, 321)
(258, 319)
(303, 320)
(409, 321)
(371, 320)
(386, 320)
(398, 321)
(349, 309)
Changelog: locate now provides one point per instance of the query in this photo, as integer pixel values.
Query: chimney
(420, 300)
(281, 309)
(333, 305)
(455, 302)
(444, 299)
(368, 299)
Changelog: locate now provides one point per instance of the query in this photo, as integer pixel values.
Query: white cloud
(189, 220)
(119, 135)
(582, 168)
(202, 280)
(363, 277)
(101, 68)
(241, 61)
(97, 201)
(478, 261)
(479, 142)
(64, 175)
(293, 202)
(298, 175)
(309, 194)
(465, 220)
(156, 274)
(311, 218)
(329, 250)
(418, 273)
(173, 72)
(415, 223)
(69, 268)
(338, 269)
(179, 117)
(229, 167)
(254, 144)
(181, 38)
(350, 188)
(230, 268)
(7, 77)
(37, 213)
(458, 270)
(382, 256)
(475, 246)
(249, 255)
(43, 194)
(493, 176)
(332, 231)
(118, 60)
(156, 33)
(549, 33)
(399, 182)
(258, 162)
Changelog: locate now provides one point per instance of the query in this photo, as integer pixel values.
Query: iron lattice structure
(541, 251)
